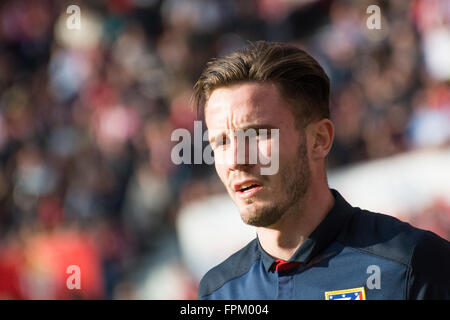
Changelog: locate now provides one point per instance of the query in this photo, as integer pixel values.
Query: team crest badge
(347, 294)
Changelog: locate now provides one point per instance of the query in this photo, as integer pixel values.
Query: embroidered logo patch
(347, 294)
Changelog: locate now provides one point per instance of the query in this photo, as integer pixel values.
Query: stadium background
(86, 117)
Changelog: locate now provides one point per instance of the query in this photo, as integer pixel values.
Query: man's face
(261, 199)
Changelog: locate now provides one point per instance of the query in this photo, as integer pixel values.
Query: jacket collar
(325, 233)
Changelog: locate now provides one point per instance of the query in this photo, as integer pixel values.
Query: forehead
(244, 104)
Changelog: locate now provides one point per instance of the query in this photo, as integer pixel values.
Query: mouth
(247, 189)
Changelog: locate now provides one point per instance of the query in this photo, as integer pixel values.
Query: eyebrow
(257, 126)
(246, 127)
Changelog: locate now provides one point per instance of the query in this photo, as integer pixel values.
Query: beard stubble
(296, 182)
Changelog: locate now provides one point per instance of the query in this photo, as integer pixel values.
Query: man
(310, 244)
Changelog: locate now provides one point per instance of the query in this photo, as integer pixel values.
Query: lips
(247, 188)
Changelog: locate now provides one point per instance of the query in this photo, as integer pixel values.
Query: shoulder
(382, 235)
(425, 255)
(234, 266)
(430, 264)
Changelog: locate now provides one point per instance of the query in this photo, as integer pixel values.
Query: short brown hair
(299, 77)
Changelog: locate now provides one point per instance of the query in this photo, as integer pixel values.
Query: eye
(224, 140)
(263, 134)
(221, 141)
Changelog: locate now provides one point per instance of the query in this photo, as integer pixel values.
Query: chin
(260, 217)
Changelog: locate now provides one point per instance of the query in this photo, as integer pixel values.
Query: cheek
(265, 147)
(223, 159)
(289, 143)
(221, 171)
(276, 145)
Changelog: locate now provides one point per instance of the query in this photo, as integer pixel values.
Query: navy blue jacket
(353, 253)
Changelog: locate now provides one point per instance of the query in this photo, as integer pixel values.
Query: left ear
(321, 134)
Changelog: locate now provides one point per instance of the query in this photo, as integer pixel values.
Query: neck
(283, 238)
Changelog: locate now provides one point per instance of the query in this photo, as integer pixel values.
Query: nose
(243, 152)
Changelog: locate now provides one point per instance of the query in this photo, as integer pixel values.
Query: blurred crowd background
(86, 117)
